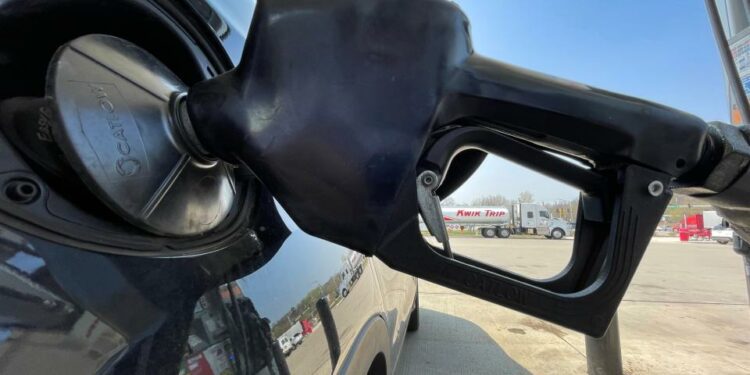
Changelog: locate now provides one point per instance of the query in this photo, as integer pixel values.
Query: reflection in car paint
(228, 336)
(70, 309)
(37, 322)
(352, 270)
(265, 345)
(218, 313)
(235, 17)
(298, 313)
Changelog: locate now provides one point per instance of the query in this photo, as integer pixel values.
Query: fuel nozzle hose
(722, 179)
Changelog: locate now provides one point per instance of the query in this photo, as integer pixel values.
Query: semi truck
(351, 272)
(293, 337)
(502, 222)
(720, 230)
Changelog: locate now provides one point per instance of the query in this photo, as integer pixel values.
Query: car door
(543, 221)
(530, 218)
(398, 291)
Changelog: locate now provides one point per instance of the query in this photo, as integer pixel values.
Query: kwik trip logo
(478, 213)
(126, 164)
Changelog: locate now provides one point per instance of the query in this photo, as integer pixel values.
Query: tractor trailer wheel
(557, 234)
(488, 232)
(503, 233)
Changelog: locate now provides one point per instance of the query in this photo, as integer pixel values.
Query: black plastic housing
(337, 106)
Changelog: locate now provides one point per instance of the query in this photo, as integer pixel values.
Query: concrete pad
(470, 350)
(685, 313)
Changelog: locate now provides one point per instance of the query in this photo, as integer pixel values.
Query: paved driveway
(686, 312)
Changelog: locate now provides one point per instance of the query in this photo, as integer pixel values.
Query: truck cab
(534, 218)
(285, 343)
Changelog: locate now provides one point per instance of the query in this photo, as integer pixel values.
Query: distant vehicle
(286, 345)
(297, 339)
(306, 327)
(722, 234)
(296, 328)
(711, 219)
(532, 218)
(351, 273)
(720, 231)
(693, 228)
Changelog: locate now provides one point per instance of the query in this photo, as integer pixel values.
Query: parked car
(722, 234)
(286, 344)
(297, 339)
(85, 288)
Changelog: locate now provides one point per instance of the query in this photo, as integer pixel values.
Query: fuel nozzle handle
(337, 106)
(333, 103)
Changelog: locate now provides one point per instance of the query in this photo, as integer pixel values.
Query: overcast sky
(658, 50)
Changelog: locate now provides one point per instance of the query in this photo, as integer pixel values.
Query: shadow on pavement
(447, 344)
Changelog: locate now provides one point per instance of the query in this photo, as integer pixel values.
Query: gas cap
(120, 127)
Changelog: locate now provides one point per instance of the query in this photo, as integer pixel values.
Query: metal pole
(736, 10)
(746, 256)
(329, 327)
(733, 77)
(603, 354)
(743, 248)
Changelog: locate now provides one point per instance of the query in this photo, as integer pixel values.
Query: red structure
(692, 228)
(306, 327)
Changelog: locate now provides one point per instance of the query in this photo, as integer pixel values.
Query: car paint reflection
(66, 307)
(286, 302)
(225, 312)
(37, 322)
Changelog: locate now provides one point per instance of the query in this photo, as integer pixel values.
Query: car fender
(371, 341)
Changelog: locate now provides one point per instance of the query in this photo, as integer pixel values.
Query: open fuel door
(356, 115)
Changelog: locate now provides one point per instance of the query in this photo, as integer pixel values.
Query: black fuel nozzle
(338, 108)
(723, 178)
(335, 118)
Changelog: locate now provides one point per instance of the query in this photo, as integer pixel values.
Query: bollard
(329, 327)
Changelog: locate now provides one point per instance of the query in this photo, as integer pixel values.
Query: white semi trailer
(351, 272)
(501, 222)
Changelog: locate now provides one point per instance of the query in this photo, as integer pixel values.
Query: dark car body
(222, 306)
